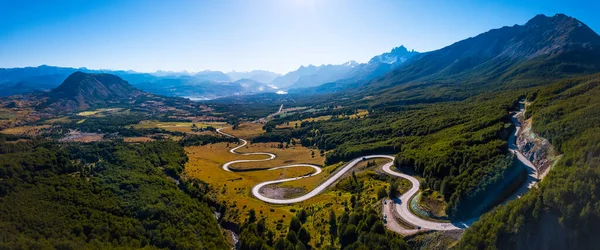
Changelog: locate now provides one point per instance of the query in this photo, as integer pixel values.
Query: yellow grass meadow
(99, 112)
(137, 139)
(234, 188)
(360, 114)
(205, 163)
(25, 130)
(185, 127)
(245, 130)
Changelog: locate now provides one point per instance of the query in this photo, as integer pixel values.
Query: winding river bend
(400, 206)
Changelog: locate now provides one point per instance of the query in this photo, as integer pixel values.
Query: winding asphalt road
(313, 193)
(400, 205)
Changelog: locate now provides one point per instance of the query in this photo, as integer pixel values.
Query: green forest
(99, 195)
(565, 209)
(358, 227)
(460, 148)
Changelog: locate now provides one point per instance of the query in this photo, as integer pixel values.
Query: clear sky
(275, 35)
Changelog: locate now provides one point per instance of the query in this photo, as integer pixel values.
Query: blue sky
(276, 35)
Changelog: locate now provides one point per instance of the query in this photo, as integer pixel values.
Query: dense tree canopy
(565, 211)
(99, 195)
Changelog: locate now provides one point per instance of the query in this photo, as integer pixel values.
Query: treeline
(200, 140)
(357, 228)
(564, 212)
(100, 195)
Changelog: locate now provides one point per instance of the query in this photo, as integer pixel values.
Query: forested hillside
(99, 195)
(565, 211)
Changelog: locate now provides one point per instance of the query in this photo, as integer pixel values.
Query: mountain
(543, 50)
(311, 75)
(84, 90)
(209, 84)
(545, 46)
(358, 73)
(325, 73)
(252, 86)
(202, 85)
(256, 75)
(215, 76)
(15, 81)
(162, 73)
(382, 64)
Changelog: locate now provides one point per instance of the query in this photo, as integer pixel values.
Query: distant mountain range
(207, 84)
(255, 75)
(202, 85)
(312, 76)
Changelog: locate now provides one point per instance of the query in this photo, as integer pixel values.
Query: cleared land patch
(60, 120)
(245, 130)
(25, 130)
(137, 139)
(185, 127)
(99, 112)
(76, 136)
(293, 124)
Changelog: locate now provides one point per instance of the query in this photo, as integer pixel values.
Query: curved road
(400, 205)
(313, 193)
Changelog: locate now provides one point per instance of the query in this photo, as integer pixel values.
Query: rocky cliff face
(537, 149)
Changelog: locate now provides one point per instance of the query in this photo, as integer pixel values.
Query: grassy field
(285, 156)
(234, 188)
(25, 130)
(245, 130)
(185, 127)
(360, 114)
(11, 117)
(372, 177)
(6, 115)
(102, 112)
(59, 120)
(137, 139)
(292, 124)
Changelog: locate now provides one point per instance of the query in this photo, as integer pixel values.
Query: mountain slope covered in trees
(100, 195)
(565, 211)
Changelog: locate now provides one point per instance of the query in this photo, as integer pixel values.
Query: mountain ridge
(84, 90)
(348, 72)
(552, 47)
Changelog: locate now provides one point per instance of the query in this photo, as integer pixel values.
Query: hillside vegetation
(459, 148)
(565, 211)
(101, 195)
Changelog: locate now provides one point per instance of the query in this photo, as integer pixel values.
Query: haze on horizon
(272, 35)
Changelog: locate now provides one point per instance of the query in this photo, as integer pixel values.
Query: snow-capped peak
(351, 63)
